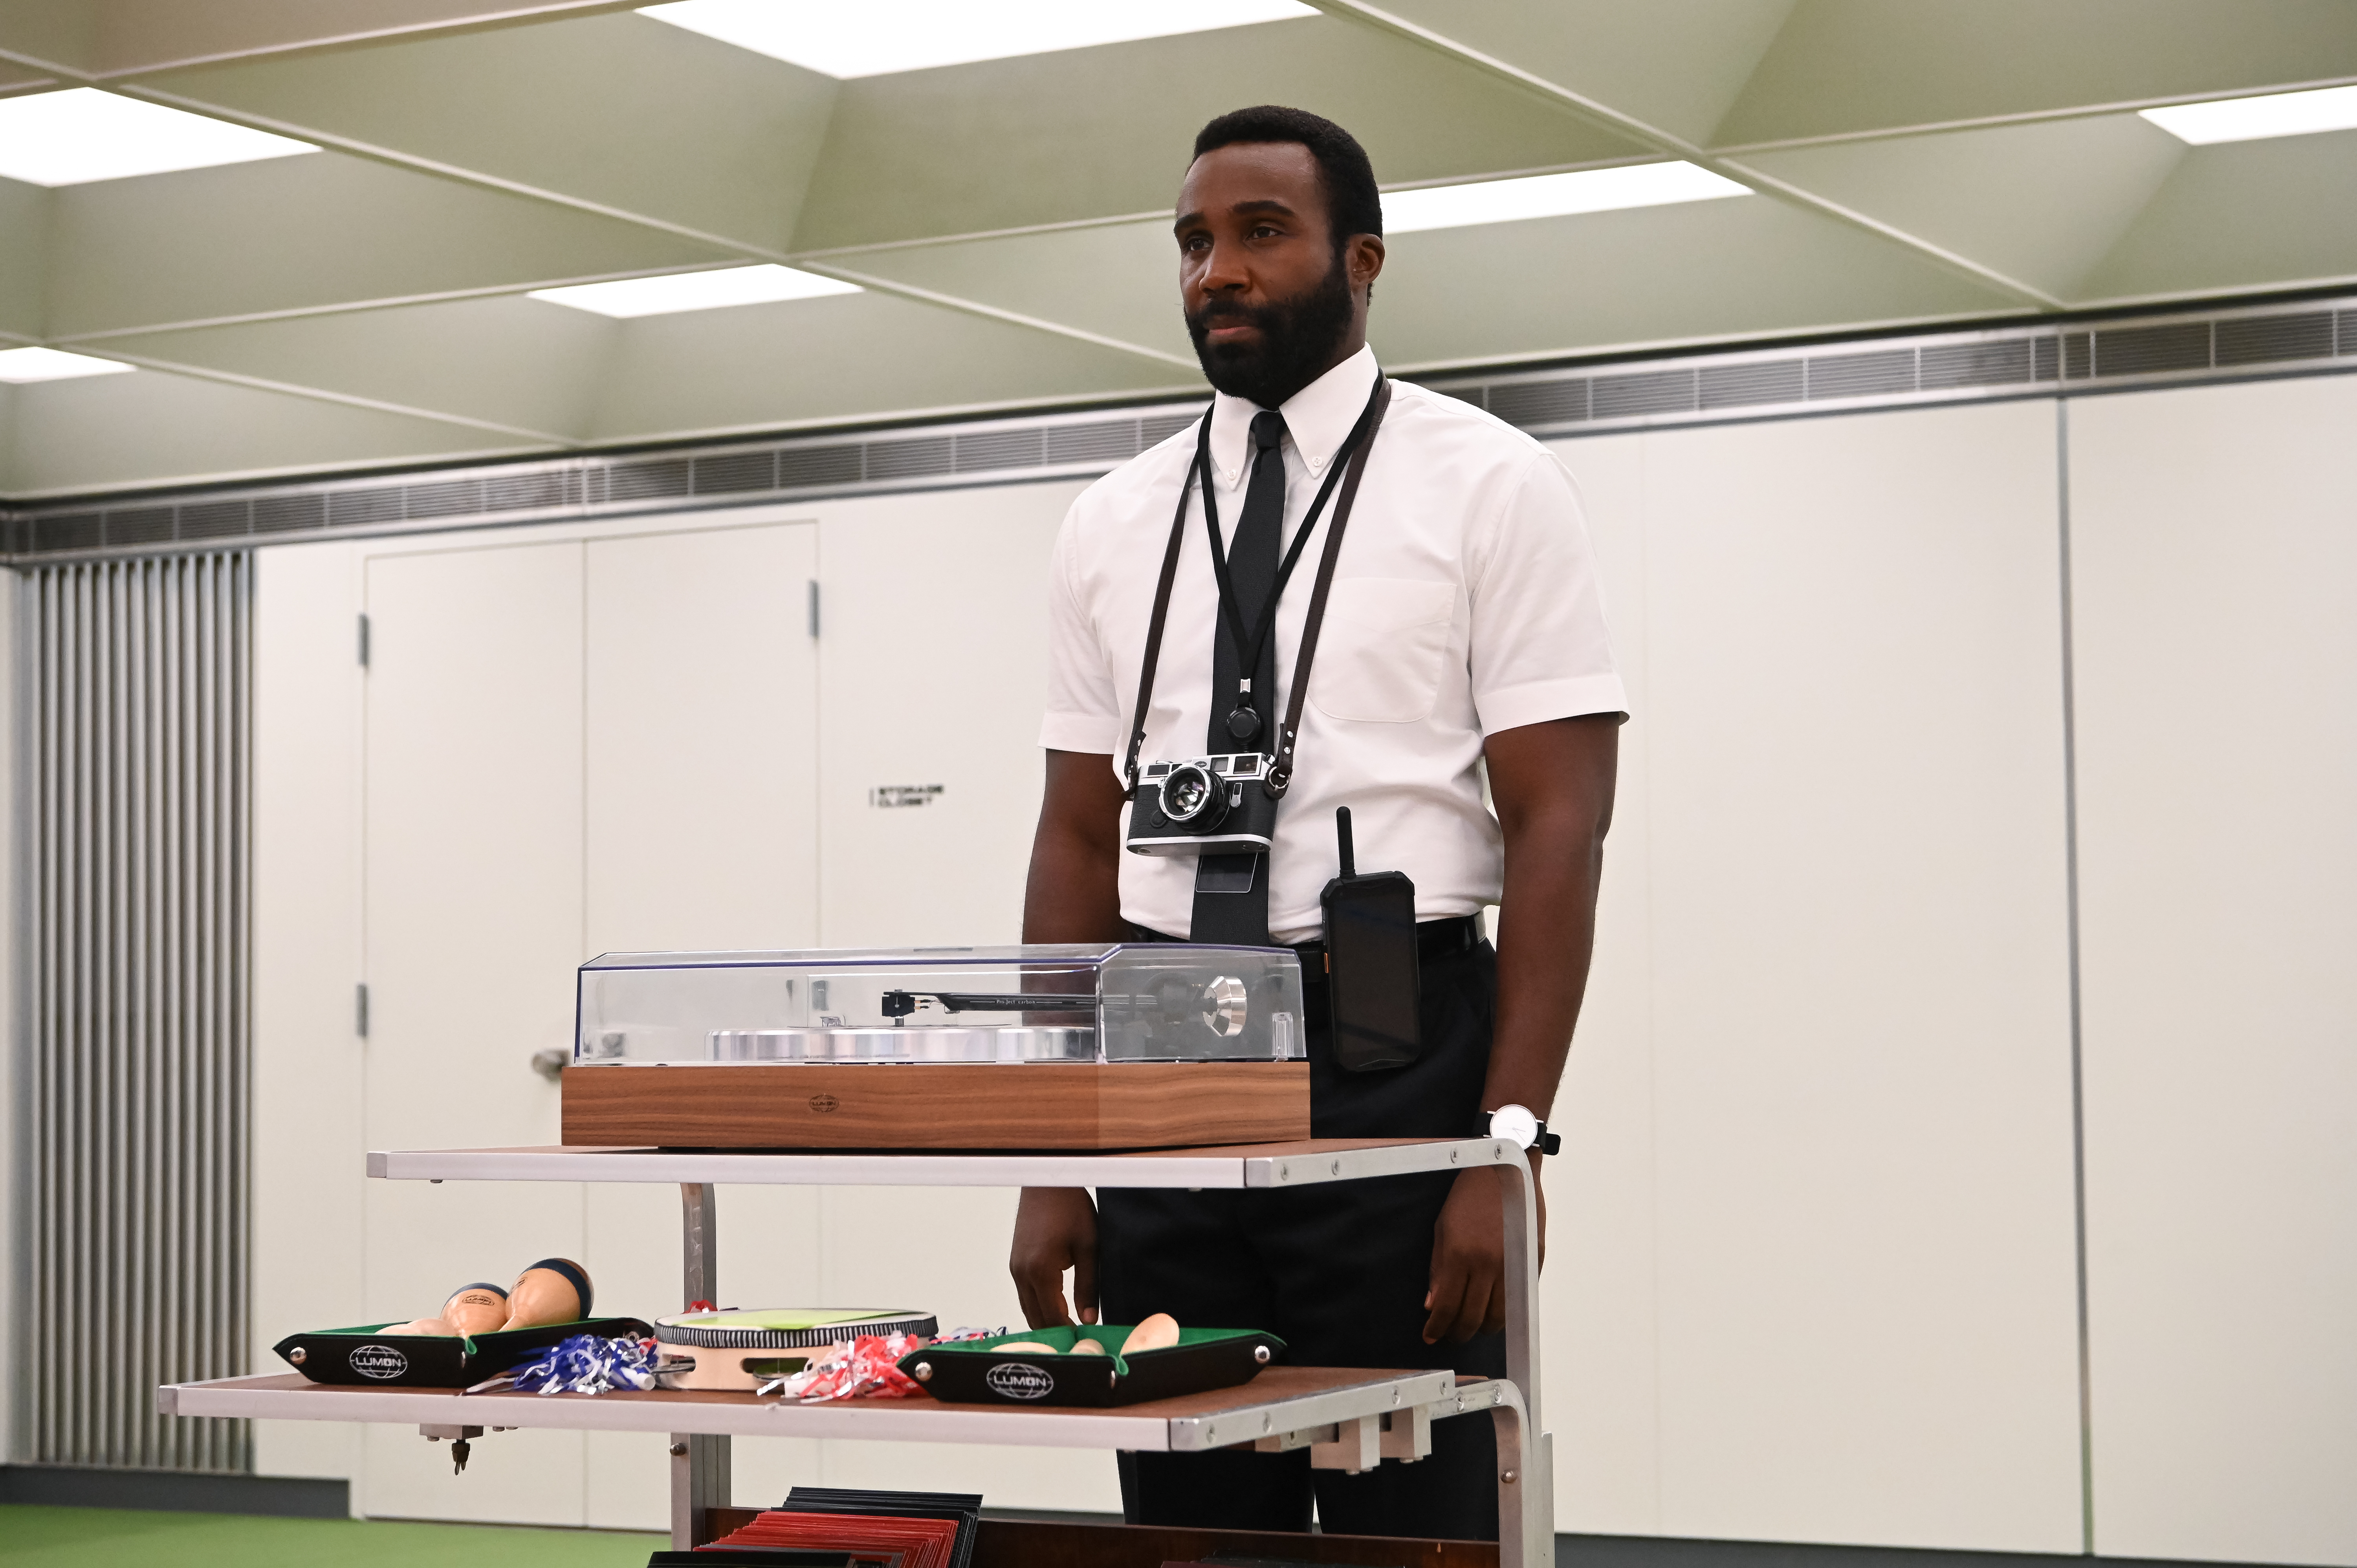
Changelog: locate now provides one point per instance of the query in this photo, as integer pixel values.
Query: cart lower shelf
(1283, 1406)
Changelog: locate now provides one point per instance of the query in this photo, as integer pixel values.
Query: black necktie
(1232, 891)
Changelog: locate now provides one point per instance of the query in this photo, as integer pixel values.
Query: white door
(573, 748)
(701, 831)
(932, 652)
(473, 910)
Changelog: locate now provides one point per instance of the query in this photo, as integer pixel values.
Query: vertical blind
(137, 734)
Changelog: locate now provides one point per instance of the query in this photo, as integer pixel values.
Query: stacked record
(828, 1526)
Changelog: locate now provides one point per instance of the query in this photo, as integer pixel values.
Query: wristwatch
(1517, 1123)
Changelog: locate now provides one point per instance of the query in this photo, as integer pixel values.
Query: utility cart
(1349, 1419)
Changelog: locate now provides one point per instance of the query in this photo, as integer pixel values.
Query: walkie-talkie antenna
(1342, 833)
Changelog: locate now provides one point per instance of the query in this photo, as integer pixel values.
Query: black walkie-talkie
(1372, 989)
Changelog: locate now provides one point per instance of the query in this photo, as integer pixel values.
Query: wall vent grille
(1745, 386)
(137, 1021)
(2160, 348)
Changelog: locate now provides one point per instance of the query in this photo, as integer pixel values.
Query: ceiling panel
(816, 360)
(2044, 202)
(1676, 68)
(24, 259)
(2230, 217)
(95, 39)
(315, 232)
(1661, 275)
(78, 435)
(1849, 67)
(1120, 280)
(615, 112)
(45, 33)
(529, 368)
(147, 35)
(1108, 132)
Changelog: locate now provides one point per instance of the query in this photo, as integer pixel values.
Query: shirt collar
(1318, 418)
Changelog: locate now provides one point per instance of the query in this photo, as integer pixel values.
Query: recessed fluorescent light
(874, 38)
(2253, 119)
(82, 135)
(694, 291)
(54, 365)
(1552, 196)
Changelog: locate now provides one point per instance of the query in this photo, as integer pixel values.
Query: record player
(1117, 1045)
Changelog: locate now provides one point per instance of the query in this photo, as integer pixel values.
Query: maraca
(554, 1290)
(479, 1309)
(1158, 1332)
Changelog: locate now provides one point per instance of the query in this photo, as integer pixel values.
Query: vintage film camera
(1211, 805)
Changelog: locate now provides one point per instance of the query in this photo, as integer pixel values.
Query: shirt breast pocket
(1380, 654)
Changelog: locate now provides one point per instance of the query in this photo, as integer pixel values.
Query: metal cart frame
(1349, 1419)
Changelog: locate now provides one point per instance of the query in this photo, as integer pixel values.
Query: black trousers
(1339, 1271)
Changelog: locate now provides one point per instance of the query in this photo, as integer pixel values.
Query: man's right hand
(1055, 1230)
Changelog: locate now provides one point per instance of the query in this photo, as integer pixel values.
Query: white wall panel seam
(2071, 874)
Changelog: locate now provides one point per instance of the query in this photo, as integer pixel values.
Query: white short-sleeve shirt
(1465, 601)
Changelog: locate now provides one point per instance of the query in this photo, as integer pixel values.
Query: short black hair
(1353, 203)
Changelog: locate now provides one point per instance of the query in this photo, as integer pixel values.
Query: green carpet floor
(33, 1537)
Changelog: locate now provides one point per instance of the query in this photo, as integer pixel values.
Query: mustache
(1231, 312)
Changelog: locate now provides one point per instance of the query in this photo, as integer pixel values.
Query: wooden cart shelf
(1349, 1418)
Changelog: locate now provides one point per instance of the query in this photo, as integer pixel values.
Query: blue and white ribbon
(586, 1364)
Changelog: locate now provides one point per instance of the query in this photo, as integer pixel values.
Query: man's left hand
(1468, 1258)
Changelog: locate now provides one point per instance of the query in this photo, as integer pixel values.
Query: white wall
(1599, 1296)
(2215, 573)
(1825, 1089)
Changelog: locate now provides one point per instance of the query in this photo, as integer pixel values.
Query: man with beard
(1464, 634)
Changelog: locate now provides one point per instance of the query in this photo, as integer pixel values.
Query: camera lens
(1192, 796)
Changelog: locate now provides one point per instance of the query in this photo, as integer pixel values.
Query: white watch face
(1514, 1122)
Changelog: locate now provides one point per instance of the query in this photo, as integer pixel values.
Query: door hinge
(364, 642)
(360, 1010)
(813, 606)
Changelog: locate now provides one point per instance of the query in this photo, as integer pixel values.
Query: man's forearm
(1546, 932)
(1553, 785)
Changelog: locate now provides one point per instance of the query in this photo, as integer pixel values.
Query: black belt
(1434, 940)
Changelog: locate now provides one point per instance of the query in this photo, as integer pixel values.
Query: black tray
(975, 1371)
(368, 1358)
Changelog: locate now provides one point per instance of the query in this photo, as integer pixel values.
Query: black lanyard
(1350, 462)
